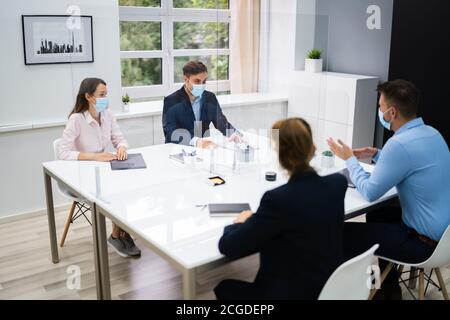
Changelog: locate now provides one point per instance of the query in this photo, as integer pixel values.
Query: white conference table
(164, 205)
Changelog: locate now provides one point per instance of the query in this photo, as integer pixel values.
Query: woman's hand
(243, 216)
(122, 153)
(105, 157)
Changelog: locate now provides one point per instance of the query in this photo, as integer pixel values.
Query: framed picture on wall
(49, 39)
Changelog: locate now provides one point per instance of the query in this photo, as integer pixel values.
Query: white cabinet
(342, 106)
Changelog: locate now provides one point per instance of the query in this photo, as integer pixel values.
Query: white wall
(45, 92)
(281, 45)
(340, 30)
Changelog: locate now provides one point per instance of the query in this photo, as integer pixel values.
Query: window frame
(167, 16)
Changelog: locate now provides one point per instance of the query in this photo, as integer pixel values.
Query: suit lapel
(187, 105)
(203, 109)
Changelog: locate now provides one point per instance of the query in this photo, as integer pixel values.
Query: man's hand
(365, 153)
(205, 144)
(243, 216)
(122, 153)
(340, 149)
(235, 137)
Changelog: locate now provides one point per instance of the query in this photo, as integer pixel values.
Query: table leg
(98, 278)
(189, 284)
(102, 254)
(51, 217)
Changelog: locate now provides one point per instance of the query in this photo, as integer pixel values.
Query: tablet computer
(227, 209)
(134, 161)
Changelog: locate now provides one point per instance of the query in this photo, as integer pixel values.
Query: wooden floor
(26, 270)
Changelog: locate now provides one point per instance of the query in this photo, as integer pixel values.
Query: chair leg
(421, 284)
(412, 278)
(68, 222)
(386, 272)
(382, 277)
(441, 283)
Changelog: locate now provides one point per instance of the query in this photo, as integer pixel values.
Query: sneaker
(119, 246)
(131, 248)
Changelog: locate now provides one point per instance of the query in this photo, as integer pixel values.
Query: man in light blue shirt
(416, 160)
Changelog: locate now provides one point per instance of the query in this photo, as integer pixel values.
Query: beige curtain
(244, 45)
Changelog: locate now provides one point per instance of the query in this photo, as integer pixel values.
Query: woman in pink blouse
(91, 127)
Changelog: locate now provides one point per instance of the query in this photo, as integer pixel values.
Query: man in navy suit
(188, 112)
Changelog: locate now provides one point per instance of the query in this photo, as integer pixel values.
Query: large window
(157, 37)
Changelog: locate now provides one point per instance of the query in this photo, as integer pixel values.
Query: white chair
(351, 280)
(439, 258)
(78, 208)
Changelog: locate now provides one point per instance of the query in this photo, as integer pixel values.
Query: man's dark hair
(194, 67)
(403, 95)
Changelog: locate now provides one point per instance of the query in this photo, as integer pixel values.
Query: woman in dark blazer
(297, 229)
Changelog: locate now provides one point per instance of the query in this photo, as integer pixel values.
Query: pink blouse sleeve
(67, 146)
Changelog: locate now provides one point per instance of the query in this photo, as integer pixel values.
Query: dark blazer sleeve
(172, 132)
(221, 123)
(168, 119)
(240, 240)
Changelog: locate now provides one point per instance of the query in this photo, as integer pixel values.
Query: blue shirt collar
(411, 124)
(197, 99)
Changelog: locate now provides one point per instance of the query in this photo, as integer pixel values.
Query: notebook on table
(227, 209)
(134, 161)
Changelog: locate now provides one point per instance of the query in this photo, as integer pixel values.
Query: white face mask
(385, 123)
(198, 89)
(101, 104)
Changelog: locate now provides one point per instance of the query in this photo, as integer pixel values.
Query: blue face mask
(101, 104)
(198, 89)
(385, 123)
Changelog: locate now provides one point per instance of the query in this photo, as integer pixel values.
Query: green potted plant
(327, 159)
(126, 103)
(314, 61)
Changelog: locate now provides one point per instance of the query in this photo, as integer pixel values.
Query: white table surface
(160, 203)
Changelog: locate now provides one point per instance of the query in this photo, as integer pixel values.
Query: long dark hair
(88, 85)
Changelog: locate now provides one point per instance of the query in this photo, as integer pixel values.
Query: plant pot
(313, 65)
(125, 107)
(327, 161)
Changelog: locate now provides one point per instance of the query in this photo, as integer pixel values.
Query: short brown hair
(403, 95)
(194, 67)
(294, 144)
